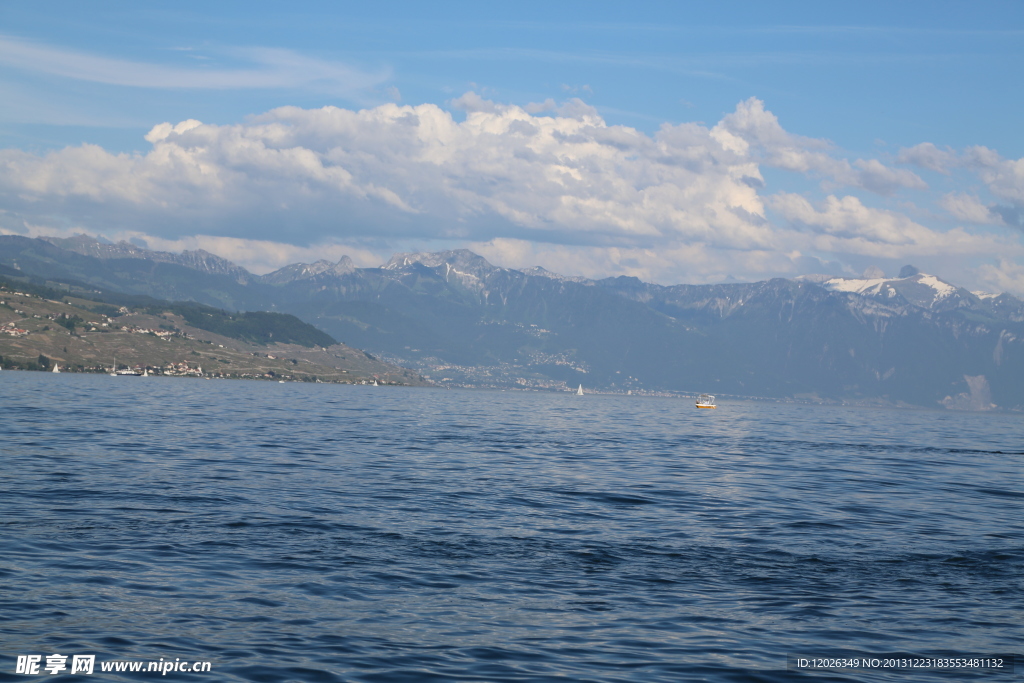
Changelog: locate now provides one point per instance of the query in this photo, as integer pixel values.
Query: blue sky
(831, 137)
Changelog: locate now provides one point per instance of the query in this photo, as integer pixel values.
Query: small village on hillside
(82, 336)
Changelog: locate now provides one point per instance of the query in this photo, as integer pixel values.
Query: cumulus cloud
(1004, 177)
(553, 182)
(412, 171)
(873, 175)
(752, 130)
(846, 225)
(1004, 276)
(541, 107)
(927, 155)
(259, 256)
(968, 208)
(701, 262)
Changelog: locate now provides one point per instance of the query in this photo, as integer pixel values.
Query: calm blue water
(329, 533)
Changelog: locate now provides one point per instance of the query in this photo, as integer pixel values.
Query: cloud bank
(536, 185)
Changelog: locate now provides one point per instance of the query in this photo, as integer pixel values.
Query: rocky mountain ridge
(913, 339)
(198, 259)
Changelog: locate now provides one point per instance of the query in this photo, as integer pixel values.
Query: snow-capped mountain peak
(461, 260)
(916, 288)
(307, 271)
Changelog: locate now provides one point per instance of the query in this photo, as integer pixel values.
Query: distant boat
(128, 372)
(56, 368)
(375, 383)
(706, 401)
(579, 392)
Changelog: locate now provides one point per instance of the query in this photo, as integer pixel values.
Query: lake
(305, 532)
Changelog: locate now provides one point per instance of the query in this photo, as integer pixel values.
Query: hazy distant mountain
(199, 259)
(130, 269)
(452, 315)
(915, 339)
(310, 271)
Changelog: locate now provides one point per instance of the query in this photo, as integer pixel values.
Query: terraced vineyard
(79, 335)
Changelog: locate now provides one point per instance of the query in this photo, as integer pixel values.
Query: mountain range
(913, 339)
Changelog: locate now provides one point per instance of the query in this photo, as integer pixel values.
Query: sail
(579, 392)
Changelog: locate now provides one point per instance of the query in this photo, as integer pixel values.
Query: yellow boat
(706, 401)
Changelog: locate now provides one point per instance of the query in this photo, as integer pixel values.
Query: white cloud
(412, 171)
(926, 155)
(846, 225)
(871, 174)
(263, 256)
(847, 217)
(556, 185)
(1004, 177)
(541, 107)
(966, 207)
(752, 130)
(1007, 276)
(679, 263)
(273, 68)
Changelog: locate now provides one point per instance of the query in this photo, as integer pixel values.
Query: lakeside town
(41, 332)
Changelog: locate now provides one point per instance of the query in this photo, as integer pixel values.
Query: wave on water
(344, 534)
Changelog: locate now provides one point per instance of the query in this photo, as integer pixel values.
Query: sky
(677, 142)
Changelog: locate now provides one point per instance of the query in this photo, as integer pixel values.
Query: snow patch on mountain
(463, 260)
(942, 289)
(308, 271)
(919, 289)
(856, 286)
(537, 271)
(816, 278)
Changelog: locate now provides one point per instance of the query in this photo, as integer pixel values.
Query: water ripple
(328, 533)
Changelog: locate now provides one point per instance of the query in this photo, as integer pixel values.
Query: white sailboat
(56, 368)
(579, 392)
(375, 383)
